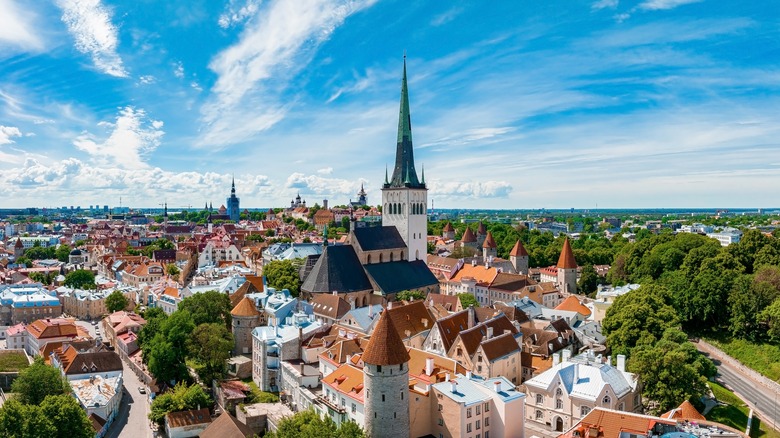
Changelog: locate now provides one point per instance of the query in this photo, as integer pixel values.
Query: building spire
(233, 186)
(404, 154)
(423, 175)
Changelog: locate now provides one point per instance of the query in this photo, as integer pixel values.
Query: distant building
(233, 209)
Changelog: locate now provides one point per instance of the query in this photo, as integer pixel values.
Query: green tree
(207, 307)
(80, 279)
(467, 299)
(154, 317)
(172, 270)
(211, 345)
(282, 274)
(409, 295)
(771, 318)
(639, 316)
(39, 253)
(308, 424)
(749, 296)
(38, 381)
(671, 370)
(66, 414)
(116, 301)
(182, 397)
(24, 261)
(63, 252)
(18, 420)
(40, 277)
(589, 280)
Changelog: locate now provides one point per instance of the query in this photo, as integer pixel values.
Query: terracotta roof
(227, 426)
(479, 273)
(385, 346)
(566, 260)
(499, 346)
(330, 306)
(686, 411)
(449, 302)
(52, 328)
(188, 418)
(97, 422)
(468, 236)
(489, 242)
(510, 282)
(518, 250)
(451, 326)
(572, 304)
(348, 380)
(245, 307)
(481, 229)
(441, 366)
(611, 424)
(448, 228)
(411, 319)
(473, 337)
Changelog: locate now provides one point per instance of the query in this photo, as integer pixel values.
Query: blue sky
(515, 104)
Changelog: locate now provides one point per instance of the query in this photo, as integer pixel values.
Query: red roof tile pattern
(468, 236)
(246, 308)
(489, 242)
(566, 261)
(686, 411)
(385, 346)
(518, 250)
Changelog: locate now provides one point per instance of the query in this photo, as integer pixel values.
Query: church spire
(404, 153)
(233, 187)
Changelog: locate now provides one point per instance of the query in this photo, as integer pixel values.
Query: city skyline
(652, 103)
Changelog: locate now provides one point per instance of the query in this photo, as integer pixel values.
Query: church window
(368, 259)
(391, 256)
(380, 258)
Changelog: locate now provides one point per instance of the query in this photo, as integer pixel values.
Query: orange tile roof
(572, 304)
(518, 250)
(348, 380)
(489, 242)
(385, 346)
(468, 236)
(448, 228)
(566, 260)
(245, 307)
(686, 411)
(606, 423)
(52, 328)
(480, 273)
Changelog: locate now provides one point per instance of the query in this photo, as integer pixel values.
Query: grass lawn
(735, 414)
(12, 361)
(259, 396)
(764, 358)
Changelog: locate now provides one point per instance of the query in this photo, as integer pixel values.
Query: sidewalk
(756, 377)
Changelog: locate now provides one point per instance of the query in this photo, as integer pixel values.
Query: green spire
(403, 172)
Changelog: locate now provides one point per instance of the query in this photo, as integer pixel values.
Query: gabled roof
(392, 277)
(499, 346)
(566, 260)
(572, 304)
(413, 318)
(473, 337)
(330, 306)
(379, 238)
(348, 380)
(385, 346)
(686, 411)
(227, 426)
(481, 229)
(52, 328)
(489, 242)
(337, 269)
(510, 282)
(188, 418)
(245, 307)
(518, 250)
(451, 326)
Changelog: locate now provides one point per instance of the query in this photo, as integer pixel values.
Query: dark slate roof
(392, 277)
(378, 238)
(339, 269)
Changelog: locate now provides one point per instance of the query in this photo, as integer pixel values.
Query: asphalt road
(759, 397)
(132, 420)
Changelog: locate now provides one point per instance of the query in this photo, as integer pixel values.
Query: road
(132, 420)
(763, 400)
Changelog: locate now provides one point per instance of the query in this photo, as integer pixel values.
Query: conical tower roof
(18, 243)
(385, 346)
(245, 307)
(566, 260)
(518, 250)
(489, 242)
(468, 236)
(448, 228)
(481, 230)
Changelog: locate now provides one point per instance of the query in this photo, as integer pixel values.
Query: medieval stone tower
(489, 247)
(404, 196)
(245, 319)
(519, 258)
(386, 381)
(567, 269)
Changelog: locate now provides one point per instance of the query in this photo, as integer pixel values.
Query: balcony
(331, 405)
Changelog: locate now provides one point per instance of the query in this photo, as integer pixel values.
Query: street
(762, 399)
(132, 420)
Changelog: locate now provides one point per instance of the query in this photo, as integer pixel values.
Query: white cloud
(655, 5)
(17, 26)
(237, 12)
(253, 73)
(196, 86)
(480, 135)
(133, 136)
(469, 189)
(602, 4)
(446, 16)
(7, 132)
(147, 79)
(178, 70)
(89, 22)
(325, 171)
(323, 187)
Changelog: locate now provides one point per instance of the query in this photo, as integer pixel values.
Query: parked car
(142, 390)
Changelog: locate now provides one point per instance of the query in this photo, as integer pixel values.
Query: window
(487, 423)
(539, 415)
(383, 397)
(539, 399)
(343, 403)
(558, 392)
(402, 394)
(477, 425)
(478, 409)
(468, 413)
(487, 407)
(621, 407)
(441, 422)
(379, 368)
(468, 428)
(606, 400)
(439, 407)
(558, 404)
(584, 410)
(487, 433)
(354, 408)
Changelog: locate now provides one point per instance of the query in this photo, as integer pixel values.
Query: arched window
(584, 410)
(368, 259)
(539, 414)
(380, 257)
(539, 399)
(391, 256)
(558, 404)
(606, 401)
(558, 392)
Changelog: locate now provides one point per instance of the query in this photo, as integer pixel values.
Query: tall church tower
(232, 204)
(386, 381)
(404, 196)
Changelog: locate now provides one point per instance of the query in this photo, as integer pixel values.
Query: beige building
(561, 396)
(91, 304)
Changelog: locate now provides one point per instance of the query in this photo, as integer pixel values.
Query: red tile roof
(518, 250)
(468, 236)
(385, 346)
(566, 260)
(489, 242)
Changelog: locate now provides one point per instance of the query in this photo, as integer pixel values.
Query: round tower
(386, 381)
(519, 258)
(567, 269)
(245, 319)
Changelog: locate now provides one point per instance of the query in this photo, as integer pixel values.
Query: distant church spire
(404, 174)
(233, 187)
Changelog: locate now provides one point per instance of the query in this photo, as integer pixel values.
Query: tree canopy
(116, 301)
(211, 345)
(283, 274)
(38, 381)
(308, 424)
(409, 295)
(467, 300)
(181, 398)
(80, 279)
(208, 307)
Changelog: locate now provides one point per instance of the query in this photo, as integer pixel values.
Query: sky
(515, 104)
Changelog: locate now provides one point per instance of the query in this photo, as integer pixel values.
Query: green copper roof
(404, 174)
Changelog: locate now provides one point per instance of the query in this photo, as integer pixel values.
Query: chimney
(490, 332)
(425, 322)
(428, 366)
(469, 374)
(447, 377)
(335, 292)
(609, 360)
(497, 385)
(556, 359)
(454, 386)
(621, 362)
(471, 317)
(576, 373)
(474, 262)
(566, 355)
(389, 305)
